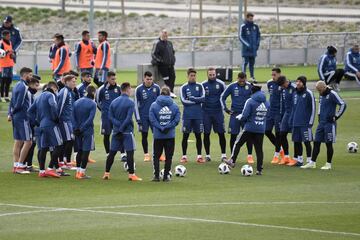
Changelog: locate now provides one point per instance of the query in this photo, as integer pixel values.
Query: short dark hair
(249, 14)
(84, 74)
(111, 74)
(242, 75)
(147, 74)
(165, 90)
(84, 32)
(124, 86)
(104, 33)
(52, 84)
(25, 70)
(34, 80)
(281, 80)
(68, 78)
(37, 77)
(211, 69)
(71, 72)
(191, 70)
(277, 70)
(90, 90)
(59, 36)
(5, 32)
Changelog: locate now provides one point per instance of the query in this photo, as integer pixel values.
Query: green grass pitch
(284, 203)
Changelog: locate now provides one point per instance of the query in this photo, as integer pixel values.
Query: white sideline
(52, 209)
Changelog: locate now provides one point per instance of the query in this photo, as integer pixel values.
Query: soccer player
(212, 112)
(273, 117)
(302, 119)
(45, 112)
(287, 96)
(327, 68)
(120, 113)
(104, 97)
(192, 95)
(145, 94)
(16, 39)
(163, 56)
(164, 116)
(61, 60)
(19, 105)
(84, 114)
(249, 35)
(85, 50)
(240, 91)
(85, 82)
(352, 64)
(254, 118)
(65, 101)
(6, 65)
(102, 59)
(326, 130)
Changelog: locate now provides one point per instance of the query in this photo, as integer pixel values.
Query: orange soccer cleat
(133, 177)
(51, 173)
(162, 157)
(282, 153)
(250, 159)
(146, 157)
(183, 159)
(292, 162)
(284, 161)
(106, 176)
(90, 160)
(275, 160)
(200, 159)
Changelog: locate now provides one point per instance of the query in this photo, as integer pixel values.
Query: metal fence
(221, 50)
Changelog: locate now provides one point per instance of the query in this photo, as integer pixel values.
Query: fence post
(116, 54)
(269, 51)
(231, 52)
(306, 49)
(193, 42)
(35, 53)
(344, 46)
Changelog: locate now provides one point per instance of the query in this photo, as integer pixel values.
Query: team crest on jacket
(154, 90)
(115, 90)
(246, 87)
(197, 88)
(304, 95)
(327, 96)
(217, 86)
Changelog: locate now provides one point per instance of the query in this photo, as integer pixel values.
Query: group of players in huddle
(61, 119)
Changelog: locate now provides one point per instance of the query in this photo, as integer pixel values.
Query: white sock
(59, 170)
(223, 155)
(82, 170)
(249, 155)
(208, 156)
(300, 159)
(308, 159)
(123, 154)
(276, 154)
(41, 171)
(78, 169)
(184, 156)
(49, 168)
(286, 156)
(199, 156)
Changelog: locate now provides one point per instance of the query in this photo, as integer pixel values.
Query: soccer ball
(247, 170)
(352, 147)
(224, 168)
(2, 53)
(180, 171)
(162, 174)
(126, 167)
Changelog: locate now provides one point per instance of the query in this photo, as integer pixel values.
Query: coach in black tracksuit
(164, 116)
(163, 56)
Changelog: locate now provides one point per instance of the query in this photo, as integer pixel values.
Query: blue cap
(8, 19)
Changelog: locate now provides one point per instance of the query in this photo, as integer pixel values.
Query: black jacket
(163, 53)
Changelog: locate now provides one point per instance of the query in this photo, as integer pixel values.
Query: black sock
(330, 152)
(184, 143)
(29, 158)
(106, 141)
(54, 157)
(271, 137)
(249, 146)
(308, 149)
(84, 159)
(130, 161)
(222, 142)
(232, 141)
(110, 160)
(144, 142)
(68, 146)
(42, 158)
(277, 142)
(78, 158)
(284, 142)
(316, 151)
(198, 143)
(207, 143)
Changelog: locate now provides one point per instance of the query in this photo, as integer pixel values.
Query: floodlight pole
(240, 16)
(91, 19)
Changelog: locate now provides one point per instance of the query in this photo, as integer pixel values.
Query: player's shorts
(66, 130)
(101, 75)
(21, 130)
(326, 133)
(7, 72)
(273, 122)
(144, 125)
(284, 124)
(84, 143)
(234, 124)
(36, 137)
(213, 121)
(192, 125)
(301, 134)
(50, 137)
(127, 143)
(88, 70)
(106, 126)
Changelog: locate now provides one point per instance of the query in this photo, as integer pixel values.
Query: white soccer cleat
(327, 166)
(309, 165)
(173, 95)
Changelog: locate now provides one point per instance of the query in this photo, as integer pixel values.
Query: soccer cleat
(21, 170)
(259, 173)
(166, 180)
(309, 165)
(172, 95)
(223, 159)
(282, 153)
(7, 99)
(250, 159)
(73, 163)
(106, 176)
(124, 158)
(327, 166)
(90, 160)
(63, 173)
(284, 161)
(230, 163)
(32, 169)
(162, 157)
(3, 100)
(155, 179)
(292, 162)
(208, 159)
(62, 165)
(146, 157)
(200, 159)
(51, 173)
(275, 160)
(42, 174)
(183, 159)
(81, 176)
(133, 177)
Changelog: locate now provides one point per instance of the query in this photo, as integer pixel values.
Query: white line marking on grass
(52, 209)
(30, 212)
(216, 204)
